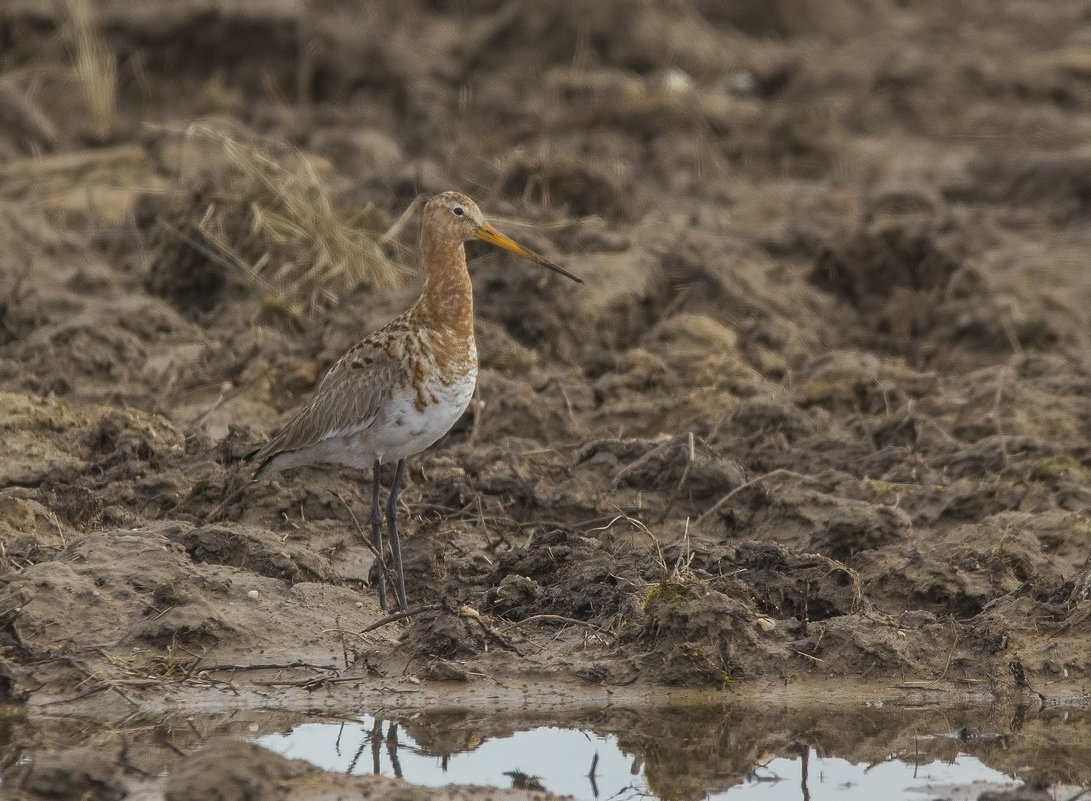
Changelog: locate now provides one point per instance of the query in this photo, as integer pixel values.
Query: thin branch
(413, 610)
(780, 471)
(264, 666)
(559, 619)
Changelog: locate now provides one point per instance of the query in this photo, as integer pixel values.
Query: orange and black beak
(489, 234)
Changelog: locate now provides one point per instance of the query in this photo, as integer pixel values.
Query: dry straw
(95, 67)
(260, 208)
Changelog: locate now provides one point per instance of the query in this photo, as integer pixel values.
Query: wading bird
(401, 388)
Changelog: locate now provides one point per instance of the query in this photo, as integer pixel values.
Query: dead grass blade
(95, 67)
(261, 209)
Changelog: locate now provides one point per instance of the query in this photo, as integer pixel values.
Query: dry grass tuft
(95, 68)
(261, 209)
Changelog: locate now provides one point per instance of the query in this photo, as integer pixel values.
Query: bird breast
(421, 411)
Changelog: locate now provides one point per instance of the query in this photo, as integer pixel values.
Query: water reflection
(689, 753)
(615, 753)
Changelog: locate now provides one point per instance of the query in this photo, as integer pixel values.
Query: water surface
(696, 752)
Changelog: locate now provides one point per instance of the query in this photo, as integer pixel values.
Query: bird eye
(458, 211)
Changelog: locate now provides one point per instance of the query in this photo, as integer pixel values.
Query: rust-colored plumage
(400, 389)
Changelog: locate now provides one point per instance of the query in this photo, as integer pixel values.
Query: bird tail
(263, 466)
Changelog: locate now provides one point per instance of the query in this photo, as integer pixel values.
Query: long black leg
(377, 532)
(392, 522)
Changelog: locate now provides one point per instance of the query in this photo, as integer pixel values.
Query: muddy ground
(819, 416)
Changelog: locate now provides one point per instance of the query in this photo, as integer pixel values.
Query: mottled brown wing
(345, 400)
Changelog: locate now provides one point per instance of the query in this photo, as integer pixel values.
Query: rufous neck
(446, 301)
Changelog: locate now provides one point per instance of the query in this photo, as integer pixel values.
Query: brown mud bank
(821, 413)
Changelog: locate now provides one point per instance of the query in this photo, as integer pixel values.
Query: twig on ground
(560, 619)
(780, 471)
(264, 666)
(396, 616)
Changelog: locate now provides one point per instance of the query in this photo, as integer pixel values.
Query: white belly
(401, 429)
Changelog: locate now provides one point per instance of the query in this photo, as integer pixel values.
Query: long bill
(489, 234)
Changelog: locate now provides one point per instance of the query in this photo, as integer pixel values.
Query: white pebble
(676, 80)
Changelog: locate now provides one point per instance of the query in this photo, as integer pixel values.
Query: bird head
(455, 217)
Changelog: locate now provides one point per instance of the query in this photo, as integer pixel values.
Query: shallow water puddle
(589, 765)
(722, 749)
